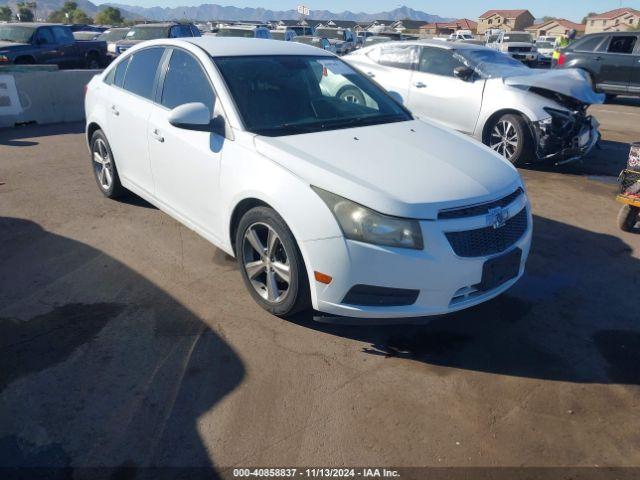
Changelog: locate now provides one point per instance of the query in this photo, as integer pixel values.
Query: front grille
(480, 209)
(372, 296)
(488, 240)
(519, 49)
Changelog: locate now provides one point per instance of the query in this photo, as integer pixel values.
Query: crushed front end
(568, 134)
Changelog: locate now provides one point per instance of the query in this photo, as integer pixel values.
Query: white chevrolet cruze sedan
(353, 209)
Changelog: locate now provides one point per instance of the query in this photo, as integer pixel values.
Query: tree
(109, 16)
(24, 12)
(590, 14)
(69, 13)
(6, 14)
(547, 19)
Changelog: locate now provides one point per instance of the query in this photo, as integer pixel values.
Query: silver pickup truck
(518, 45)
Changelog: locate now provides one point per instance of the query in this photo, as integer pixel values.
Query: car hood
(570, 82)
(12, 45)
(128, 43)
(407, 169)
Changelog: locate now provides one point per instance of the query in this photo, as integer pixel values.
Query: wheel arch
(28, 59)
(92, 128)
(238, 212)
(496, 115)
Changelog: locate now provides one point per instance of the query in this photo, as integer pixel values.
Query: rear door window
(398, 56)
(587, 44)
(622, 44)
(141, 73)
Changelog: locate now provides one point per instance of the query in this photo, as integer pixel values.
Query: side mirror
(396, 96)
(191, 116)
(463, 73)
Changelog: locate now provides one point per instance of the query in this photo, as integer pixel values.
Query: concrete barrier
(42, 96)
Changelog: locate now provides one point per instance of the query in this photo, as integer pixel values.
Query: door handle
(156, 134)
(371, 74)
(420, 85)
(114, 110)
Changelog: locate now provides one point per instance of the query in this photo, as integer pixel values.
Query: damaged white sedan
(524, 114)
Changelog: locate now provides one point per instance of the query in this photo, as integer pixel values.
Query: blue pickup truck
(47, 44)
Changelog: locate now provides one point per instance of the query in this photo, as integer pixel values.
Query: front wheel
(510, 136)
(628, 216)
(271, 264)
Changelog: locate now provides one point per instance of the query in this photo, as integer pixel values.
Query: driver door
(435, 93)
(48, 51)
(186, 163)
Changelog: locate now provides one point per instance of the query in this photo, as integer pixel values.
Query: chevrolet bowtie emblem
(497, 217)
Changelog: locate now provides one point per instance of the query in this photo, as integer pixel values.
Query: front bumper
(565, 147)
(524, 56)
(446, 282)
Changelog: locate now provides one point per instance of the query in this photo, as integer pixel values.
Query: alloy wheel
(103, 166)
(266, 262)
(504, 139)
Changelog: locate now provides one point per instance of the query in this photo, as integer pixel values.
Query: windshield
(16, 34)
(288, 95)
(330, 33)
(147, 33)
(236, 32)
(491, 64)
(544, 45)
(113, 35)
(517, 37)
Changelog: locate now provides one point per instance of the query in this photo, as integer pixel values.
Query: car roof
(236, 47)
(439, 44)
(160, 24)
(33, 24)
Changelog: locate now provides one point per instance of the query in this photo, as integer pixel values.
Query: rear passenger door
(618, 63)
(130, 104)
(393, 67)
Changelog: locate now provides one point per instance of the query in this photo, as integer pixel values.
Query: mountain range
(218, 12)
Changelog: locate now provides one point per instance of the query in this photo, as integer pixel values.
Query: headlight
(365, 225)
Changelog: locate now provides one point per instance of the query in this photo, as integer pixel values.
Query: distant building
(508, 20)
(447, 28)
(618, 20)
(556, 28)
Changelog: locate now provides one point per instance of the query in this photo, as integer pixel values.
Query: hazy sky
(571, 9)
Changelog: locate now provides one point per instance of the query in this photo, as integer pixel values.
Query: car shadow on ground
(14, 137)
(100, 367)
(573, 317)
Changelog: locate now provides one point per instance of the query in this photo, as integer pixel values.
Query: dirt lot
(128, 341)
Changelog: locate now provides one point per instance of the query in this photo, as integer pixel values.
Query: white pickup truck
(518, 45)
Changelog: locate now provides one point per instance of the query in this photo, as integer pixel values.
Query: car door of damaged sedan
(437, 94)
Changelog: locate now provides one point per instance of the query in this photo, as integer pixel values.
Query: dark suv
(611, 59)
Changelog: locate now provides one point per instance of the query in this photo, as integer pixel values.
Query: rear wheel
(104, 166)
(271, 264)
(92, 62)
(628, 216)
(509, 135)
(352, 95)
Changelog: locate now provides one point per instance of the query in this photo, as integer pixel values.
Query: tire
(264, 268)
(104, 166)
(351, 94)
(628, 216)
(518, 132)
(24, 61)
(92, 62)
